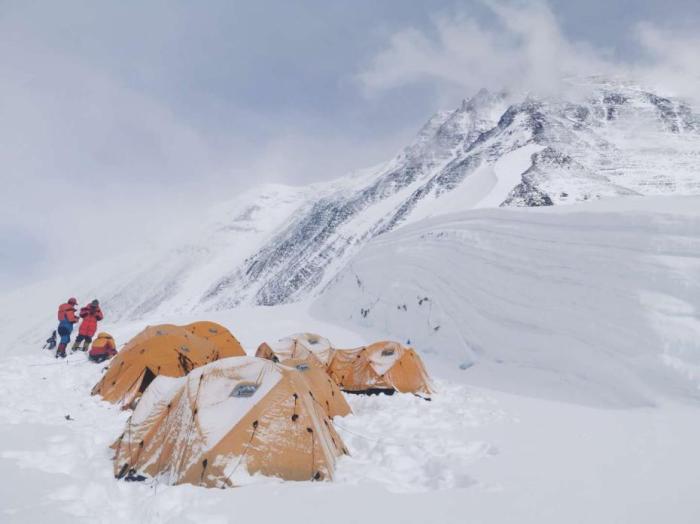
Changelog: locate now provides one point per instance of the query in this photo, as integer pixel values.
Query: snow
(488, 186)
(508, 170)
(470, 452)
(580, 303)
(577, 401)
(564, 343)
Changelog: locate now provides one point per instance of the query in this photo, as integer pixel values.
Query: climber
(103, 348)
(66, 319)
(91, 315)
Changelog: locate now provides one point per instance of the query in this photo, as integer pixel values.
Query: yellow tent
(164, 349)
(222, 338)
(322, 387)
(380, 367)
(300, 345)
(234, 417)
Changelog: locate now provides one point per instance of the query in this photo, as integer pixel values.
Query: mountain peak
(279, 244)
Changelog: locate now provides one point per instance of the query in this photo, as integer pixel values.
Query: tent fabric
(387, 366)
(158, 350)
(299, 345)
(322, 387)
(233, 417)
(222, 338)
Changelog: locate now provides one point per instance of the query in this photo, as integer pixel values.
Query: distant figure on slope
(91, 315)
(66, 319)
(103, 348)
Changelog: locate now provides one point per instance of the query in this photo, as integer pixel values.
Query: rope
(240, 459)
(165, 434)
(375, 440)
(313, 448)
(58, 363)
(194, 416)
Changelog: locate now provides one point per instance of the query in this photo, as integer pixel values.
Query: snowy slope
(495, 149)
(575, 328)
(469, 452)
(596, 303)
(279, 244)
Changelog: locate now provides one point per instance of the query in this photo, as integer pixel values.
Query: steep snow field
(470, 454)
(595, 304)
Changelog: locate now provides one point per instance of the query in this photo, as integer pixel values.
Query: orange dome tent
(158, 350)
(230, 418)
(322, 387)
(222, 338)
(380, 367)
(298, 346)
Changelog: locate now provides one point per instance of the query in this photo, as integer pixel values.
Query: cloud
(107, 146)
(671, 60)
(119, 126)
(522, 47)
(84, 158)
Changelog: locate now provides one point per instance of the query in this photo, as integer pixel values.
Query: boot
(76, 346)
(61, 351)
(86, 346)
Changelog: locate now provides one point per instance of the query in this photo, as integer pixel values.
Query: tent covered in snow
(322, 388)
(380, 367)
(222, 338)
(298, 346)
(226, 420)
(158, 350)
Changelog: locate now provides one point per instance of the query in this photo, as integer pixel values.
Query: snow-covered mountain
(534, 323)
(279, 244)
(494, 150)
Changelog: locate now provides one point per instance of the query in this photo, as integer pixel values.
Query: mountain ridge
(277, 244)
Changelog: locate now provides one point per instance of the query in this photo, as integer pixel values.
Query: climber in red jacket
(91, 315)
(66, 319)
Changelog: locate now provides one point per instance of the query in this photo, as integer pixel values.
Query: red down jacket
(91, 315)
(67, 312)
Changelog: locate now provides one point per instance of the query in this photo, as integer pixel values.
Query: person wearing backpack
(103, 348)
(66, 319)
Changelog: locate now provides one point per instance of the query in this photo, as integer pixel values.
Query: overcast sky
(117, 119)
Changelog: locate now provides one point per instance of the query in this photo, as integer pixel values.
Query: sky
(120, 122)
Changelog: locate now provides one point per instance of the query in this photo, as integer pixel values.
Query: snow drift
(592, 303)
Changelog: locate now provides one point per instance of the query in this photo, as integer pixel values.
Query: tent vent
(387, 352)
(302, 367)
(213, 330)
(244, 390)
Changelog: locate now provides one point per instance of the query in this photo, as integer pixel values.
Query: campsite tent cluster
(204, 413)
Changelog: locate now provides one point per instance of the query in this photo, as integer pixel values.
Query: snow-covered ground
(566, 360)
(596, 303)
(470, 454)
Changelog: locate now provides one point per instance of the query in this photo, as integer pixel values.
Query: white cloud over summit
(523, 46)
